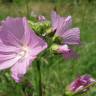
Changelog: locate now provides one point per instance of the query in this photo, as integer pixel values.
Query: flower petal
(5, 48)
(55, 20)
(7, 56)
(8, 63)
(64, 25)
(37, 44)
(31, 39)
(81, 84)
(38, 49)
(72, 36)
(12, 31)
(27, 31)
(69, 54)
(20, 68)
(66, 51)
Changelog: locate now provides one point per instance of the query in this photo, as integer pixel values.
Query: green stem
(27, 8)
(39, 78)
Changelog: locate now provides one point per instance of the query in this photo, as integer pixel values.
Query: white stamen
(24, 51)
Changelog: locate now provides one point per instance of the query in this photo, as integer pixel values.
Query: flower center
(24, 51)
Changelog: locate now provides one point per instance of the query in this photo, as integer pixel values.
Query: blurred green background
(56, 72)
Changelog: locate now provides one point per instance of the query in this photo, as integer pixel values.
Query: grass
(57, 72)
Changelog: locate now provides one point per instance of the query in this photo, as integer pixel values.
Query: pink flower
(19, 46)
(41, 18)
(80, 84)
(66, 51)
(62, 28)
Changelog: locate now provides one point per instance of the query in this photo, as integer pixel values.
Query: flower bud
(81, 84)
(41, 18)
(54, 47)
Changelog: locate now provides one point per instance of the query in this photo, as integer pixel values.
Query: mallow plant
(22, 40)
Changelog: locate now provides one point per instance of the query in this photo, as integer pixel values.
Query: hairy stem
(39, 79)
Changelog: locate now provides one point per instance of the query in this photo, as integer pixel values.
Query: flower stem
(39, 79)
(27, 8)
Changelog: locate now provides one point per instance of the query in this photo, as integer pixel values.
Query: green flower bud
(54, 47)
